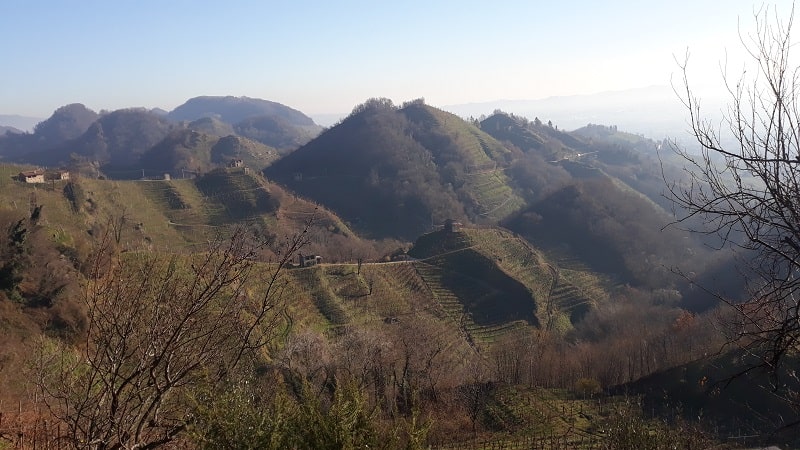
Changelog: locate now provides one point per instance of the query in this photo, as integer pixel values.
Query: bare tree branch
(748, 193)
(158, 326)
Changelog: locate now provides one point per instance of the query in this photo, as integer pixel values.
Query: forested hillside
(397, 172)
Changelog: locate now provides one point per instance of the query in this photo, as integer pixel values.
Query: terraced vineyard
(589, 284)
(329, 304)
(484, 179)
(516, 258)
(575, 271)
(452, 305)
(399, 291)
(148, 220)
(181, 202)
(561, 296)
(566, 299)
(494, 198)
(241, 196)
(449, 303)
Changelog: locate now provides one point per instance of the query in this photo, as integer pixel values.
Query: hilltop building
(451, 226)
(57, 175)
(31, 176)
(41, 176)
(309, 260)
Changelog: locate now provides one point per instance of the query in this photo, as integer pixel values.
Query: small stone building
(309, 260)
(58, 175)
(451, 226)
(31, 176)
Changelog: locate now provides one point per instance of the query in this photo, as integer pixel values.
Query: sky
(328, 56)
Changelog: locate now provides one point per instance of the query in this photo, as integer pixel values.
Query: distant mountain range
(117, 141)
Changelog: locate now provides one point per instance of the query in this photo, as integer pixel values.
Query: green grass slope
(180, 215)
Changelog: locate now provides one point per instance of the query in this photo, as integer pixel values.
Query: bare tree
(748, 193)
(159, 326)
(117, 223)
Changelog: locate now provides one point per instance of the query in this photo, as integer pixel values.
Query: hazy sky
(327, 56)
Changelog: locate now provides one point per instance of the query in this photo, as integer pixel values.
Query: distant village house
(309, 260)
(42, 176)
(236, 163)
(58, 175)
(451, 226)
(31, 176)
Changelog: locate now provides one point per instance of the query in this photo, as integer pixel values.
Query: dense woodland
(483, 280)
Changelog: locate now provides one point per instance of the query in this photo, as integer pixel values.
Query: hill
(270, 123)
(211, 125)
(595, 196)
(185, 151)
(500, 280)
(66, 123)
(132, 143)
(114, 142)
(276, 131)
(532, 136)
(117, 139)
(236, 109)
(396, 172)
(590, 198)
(180, 214)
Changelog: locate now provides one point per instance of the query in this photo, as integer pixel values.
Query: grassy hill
(396, 172)
(180, 215)
(491, 281)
